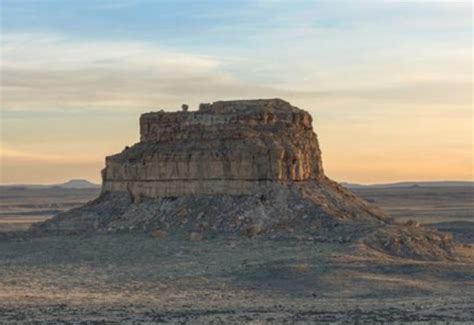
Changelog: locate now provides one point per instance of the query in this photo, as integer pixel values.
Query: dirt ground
(21, 206)
(423, 204)
(134, 278)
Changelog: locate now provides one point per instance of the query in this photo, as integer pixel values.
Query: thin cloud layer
(47, 72)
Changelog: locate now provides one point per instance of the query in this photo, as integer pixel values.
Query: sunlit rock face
(227, 147)
(246, 168)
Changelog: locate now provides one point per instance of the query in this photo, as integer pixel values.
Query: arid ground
(132, 277)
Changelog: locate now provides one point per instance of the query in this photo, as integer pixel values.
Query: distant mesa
(71, 184)
(237, 168)
(78, 184)
(228, 147)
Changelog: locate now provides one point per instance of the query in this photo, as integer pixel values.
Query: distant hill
(71, 184)
(85, 184)
(413, 184)
(78, 183)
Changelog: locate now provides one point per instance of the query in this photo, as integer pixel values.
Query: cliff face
(228, 147)
(250, 168)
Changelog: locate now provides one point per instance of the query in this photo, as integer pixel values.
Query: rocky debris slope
(314, 209)
(412, 241)
(238, 167)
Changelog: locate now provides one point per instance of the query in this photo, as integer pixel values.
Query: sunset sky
(389, 83)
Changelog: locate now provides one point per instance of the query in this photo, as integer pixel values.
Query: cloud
(54, 53)
(48, 71)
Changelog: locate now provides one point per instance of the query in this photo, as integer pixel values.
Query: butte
(238, 168)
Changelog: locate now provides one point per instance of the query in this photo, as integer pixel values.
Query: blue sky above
(389, 75)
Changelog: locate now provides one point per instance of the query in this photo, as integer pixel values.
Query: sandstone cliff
(228, 147)
(247, 167)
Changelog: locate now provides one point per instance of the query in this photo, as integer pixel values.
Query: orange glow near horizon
(417, 150)
(388, 83)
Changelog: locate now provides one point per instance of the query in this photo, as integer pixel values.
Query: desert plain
(132, 277)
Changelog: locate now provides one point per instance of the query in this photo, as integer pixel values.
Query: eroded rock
(228, 147)
(247, 167)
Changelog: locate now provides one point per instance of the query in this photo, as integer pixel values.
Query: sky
(388, 83)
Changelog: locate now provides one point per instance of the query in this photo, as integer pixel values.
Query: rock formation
(232, 147)
(246, 167)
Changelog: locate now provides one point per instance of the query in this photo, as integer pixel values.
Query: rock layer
(228, 147)
(238, 168)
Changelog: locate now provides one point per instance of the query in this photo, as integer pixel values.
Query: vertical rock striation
(248, 167)
(227, 147)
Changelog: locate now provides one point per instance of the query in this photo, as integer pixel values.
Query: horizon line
(340, 182)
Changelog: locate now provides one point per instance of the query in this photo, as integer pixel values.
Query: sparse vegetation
(133, 276)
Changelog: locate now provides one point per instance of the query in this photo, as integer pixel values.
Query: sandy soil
(423, 204)
(22, 206)
(135, 278)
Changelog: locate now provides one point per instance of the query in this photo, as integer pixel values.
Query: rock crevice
(248, 168)
(227, 147)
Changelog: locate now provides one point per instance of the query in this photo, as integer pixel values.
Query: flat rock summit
(238, 168)
(231, 147)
